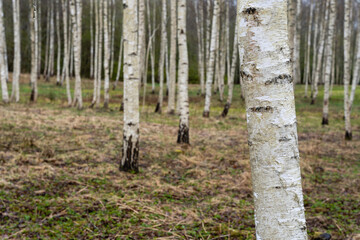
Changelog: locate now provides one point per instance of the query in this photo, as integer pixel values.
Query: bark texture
(34, 51)
(3, 77)
(15, 94)
(347, 67)
(271, 119)
(172, 79)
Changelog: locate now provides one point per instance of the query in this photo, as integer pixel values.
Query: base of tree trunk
(183, 134)
(153, 92)
(206, 114)
(114, 87)
(312, 102)
(167, 92)
(58, 83)
(325, 121)
(106, 105)
(171, 112)
(32, 95)
(158, 108)
(226, 110)
(121, 107)
(348, 136)
(130, 156)
(47, 79)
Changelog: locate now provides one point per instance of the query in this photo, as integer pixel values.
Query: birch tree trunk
(58, 68)
(112, 38)
(211, 64)
(291, 7)
(308, 52)
(96, 57)
(100, 53)
(271, 119)
(297, 72)
(15, 94)
(130, 150)
(142, 39)
(233, 66)
(5, 64)
(40, 38)
(208, 34)
(328, 59)
(347, 67)
(183, 134)
(46, 63)
(51, 48)
(163, 46)
(199, 24)
(66, 51)
(153, 52)
(4, 89)
(119, 63)
(75, 11)
(106, 56)
(91, 39)
(319, 56)
(172, 80)
(34, 51)
(356, 70)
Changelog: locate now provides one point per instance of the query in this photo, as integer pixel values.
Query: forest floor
(60, 178)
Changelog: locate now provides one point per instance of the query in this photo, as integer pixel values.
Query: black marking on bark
(278, 187)
(325, 121)
(312, 102)
(281, 79)
(121, 107)
(131, 124)
(262, 109)
(130, 156)
(226, 110)
(250, 10)
(183, 134)
(250, 143)
(206, 114)
(158, 108)
(125, 6)
(348, 136)
(284, 139)
(244, 75)
(171, 112)
(182, 31)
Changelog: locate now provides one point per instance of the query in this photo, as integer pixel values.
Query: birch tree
(15, 94)
(172, 66)
(106, 55)
(112, 37)
(297, 72)
(4, 89)
(47, 43)
(40, 38)
(328, 59)
(271, 119)
(308, 50)
(211, 63)
(91, 39)
(201, 64)
(58, 36)
(119, 63)
(5, 61)
(163, 47)
(66, 52)
(142, 38)
(347, 67)
(130, 150)
(34, 51)
(75, 12)
(50, 71)
(183, 134)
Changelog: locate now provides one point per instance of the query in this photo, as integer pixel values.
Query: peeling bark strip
(130, 152)
(271, 119)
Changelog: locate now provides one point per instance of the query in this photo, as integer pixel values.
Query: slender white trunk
(51, 48)
(172, 79)
(15, 94)
(199, 24)
(119, 63)
(315, 46)
(112, 38)
(4, 89)
(356, 70)
(34, 51)
(106, 56)
(297, 72)
(130, 150)
(308, 52)
(100, 54)
(320, 56)
(91, 39)
(347, 67)
(75, 11)
(153, 52)
(96, 58)
(5, 63)
(142, 39)
(183, 134)
(58, 68)
(40, 38)
(163, 46)
(46, 63)
(211, 64)
(233, 66)
(328, 59)
(66, 51)
(208, 33)
(271, 119)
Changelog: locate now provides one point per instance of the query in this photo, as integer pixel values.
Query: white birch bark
(34, 51)
(66, 51)
(96, 52)
(153, 52)
(172, 66)
(315, 46)
(183, 133)
(119, 63)
(75, 12)
(201, 55)
(5, 60)
(234, 62)
(46, 63)
(58, 35)
(142, 38)
(208, 33)
(308, 52)
(211, 64)
(271, 119)
(106, 56)
(40, 38)
(163, 46)
(328, 59)
(15, 94)
(319, 57)
(347, 67)
(51, 48)
(91, 39)
(130, 150)
(100, 54)
(297, 72)
(4, 89)
(356, 70)
(112, 38)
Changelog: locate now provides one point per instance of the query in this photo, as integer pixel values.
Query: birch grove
(271, 120)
